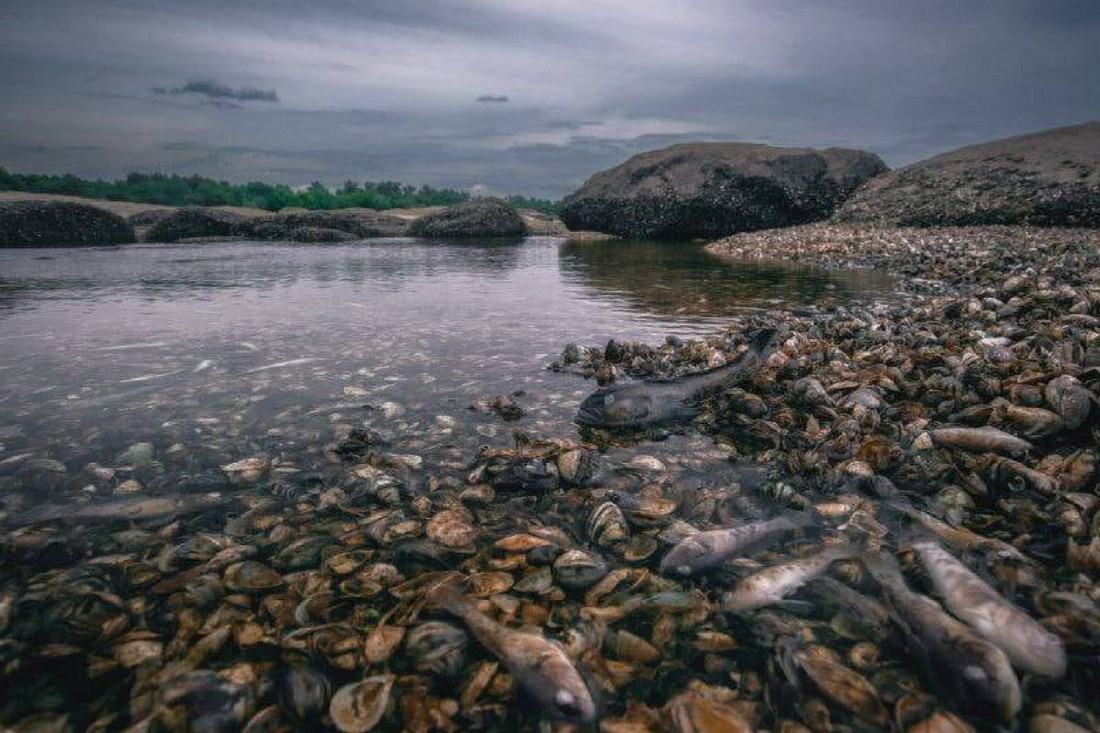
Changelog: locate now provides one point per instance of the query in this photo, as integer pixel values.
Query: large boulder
(60, 224)
(198, 222)
(358, 225)
(715, 189)
(477, 218)
(1049, 178)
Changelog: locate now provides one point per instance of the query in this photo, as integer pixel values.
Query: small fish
(775, 583)
(868, 615)
(705, 550)
(980, 440)
(135, 508)
(963, 539)
(541, 666)
(150, 377)
(1030, 647)
(639, 404)
(280, 365)
(203, 365)
(972, 671)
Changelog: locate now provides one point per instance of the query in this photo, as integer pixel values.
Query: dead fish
(540, 665)
(1070, 399)
(980, 440)
(866, 614)
(1029, 646)
(638, 404)
(707, 549)
(974, 672)
(775, 583)
(963, 539)
(134, 508)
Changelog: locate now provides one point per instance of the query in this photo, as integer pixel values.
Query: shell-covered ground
(964, 414)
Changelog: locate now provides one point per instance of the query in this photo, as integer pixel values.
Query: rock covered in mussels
(484, 217)
(60, 224)
(1048, 178)
(714, 189)
(193, 222)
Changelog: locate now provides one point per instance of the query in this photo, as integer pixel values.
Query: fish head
(558, 687)
(687, 557)
(614, 408)
(989, 682)
(574, 706)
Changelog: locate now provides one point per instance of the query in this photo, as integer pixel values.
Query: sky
(520, 96)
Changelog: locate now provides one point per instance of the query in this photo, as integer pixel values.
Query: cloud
(217, 91)
(491, 99)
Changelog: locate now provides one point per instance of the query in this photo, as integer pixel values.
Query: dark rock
(320, 234)
(359, 225)
(197, 221)
(478, 218)
(715, 189)
(60, 224)
(1049, 178)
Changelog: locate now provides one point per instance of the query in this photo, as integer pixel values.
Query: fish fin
(448, 594)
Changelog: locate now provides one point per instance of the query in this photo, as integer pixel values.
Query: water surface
(221, 351)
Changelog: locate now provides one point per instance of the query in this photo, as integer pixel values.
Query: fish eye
(609, 399)
(974, 673)
(566, 703)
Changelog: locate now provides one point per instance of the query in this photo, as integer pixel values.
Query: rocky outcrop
(60, 224)
(294, 225)
(477, 218)
(715, 189)
(1049, 178)
(196, 222)
(319, 234)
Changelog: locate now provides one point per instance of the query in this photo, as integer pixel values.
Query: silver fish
(540, 665)
(707, 549)
(775, 583)
(638, 404)
(1030, 647)
(974, 672)
(136, 508)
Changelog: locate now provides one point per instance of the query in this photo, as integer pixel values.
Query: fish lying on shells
(708, 549)
(1029, 646)
(131, 508)
(540, 666)
(639, 404)
(775, 583)
(974, 672)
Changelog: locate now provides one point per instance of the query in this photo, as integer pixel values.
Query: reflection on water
(684, 281)
(220, 351)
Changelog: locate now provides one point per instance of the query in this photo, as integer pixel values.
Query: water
(221, 351)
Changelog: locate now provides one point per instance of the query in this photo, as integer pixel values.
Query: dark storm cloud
(217, 91)
(377, 89)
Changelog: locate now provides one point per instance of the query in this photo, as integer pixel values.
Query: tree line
(175, 190)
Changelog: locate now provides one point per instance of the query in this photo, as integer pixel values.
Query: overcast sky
(521, 96)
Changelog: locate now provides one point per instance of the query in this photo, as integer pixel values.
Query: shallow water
(247, 347)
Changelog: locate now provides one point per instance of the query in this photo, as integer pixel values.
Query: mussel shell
(578, 466)
(578, 569)
(251, 576)
(607, 524)
(357, 707)
(437, 647)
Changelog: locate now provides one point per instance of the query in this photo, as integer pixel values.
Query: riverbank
(537, 222)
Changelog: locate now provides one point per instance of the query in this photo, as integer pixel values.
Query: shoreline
(933, 260)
